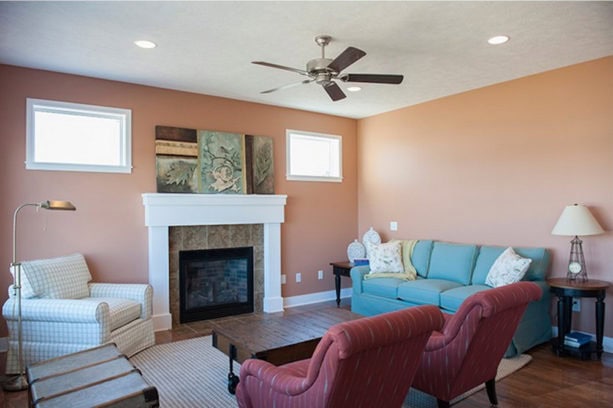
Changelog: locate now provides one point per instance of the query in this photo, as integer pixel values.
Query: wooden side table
(340, 269)
(565, 290)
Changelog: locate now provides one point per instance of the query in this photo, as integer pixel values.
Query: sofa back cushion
(452, 262)
(488, 255)
(56, 278)
(421, 256)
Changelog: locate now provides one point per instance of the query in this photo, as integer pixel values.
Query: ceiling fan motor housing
(318, 69)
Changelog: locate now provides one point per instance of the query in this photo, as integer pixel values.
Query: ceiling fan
(324, 71)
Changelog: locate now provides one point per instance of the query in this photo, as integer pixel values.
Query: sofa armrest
(138, 292)
(357, 276)
(59, 310)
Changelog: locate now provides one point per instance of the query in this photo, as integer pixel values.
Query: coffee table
(278, 338)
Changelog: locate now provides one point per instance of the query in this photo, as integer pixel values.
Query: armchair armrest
(279, 379)
(138, 292)
(59, 310)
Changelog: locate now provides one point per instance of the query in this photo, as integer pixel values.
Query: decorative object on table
(370, 237)
(20, 382)
(355, 250)
(577, 220)
(203, 161)
(576, 339)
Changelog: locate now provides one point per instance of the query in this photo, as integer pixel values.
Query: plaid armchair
(63, 312)
(367, 362)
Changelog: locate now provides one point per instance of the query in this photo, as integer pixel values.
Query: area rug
(192, 374)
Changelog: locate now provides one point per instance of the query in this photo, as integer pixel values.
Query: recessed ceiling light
(354, 89)
(145, 44)
(499, 39)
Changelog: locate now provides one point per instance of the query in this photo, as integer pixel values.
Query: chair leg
(490, 387)
(442, 404)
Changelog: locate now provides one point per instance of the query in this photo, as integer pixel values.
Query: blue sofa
(447, 273)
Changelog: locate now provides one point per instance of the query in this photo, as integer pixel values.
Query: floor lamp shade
(20, 382)
(576, 220)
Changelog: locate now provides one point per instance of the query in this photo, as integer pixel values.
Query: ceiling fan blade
(270, 65)
(306, 81)
(334, 91)
(373, 78)
(346, 58)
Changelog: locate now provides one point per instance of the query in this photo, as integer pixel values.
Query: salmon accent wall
(108, 226)
(496, 166)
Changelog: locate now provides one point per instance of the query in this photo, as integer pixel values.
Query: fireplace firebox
(215, 283)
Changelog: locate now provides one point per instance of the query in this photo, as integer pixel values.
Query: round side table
(565, 290)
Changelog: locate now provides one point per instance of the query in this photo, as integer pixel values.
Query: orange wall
(497, 165)
(108, 227)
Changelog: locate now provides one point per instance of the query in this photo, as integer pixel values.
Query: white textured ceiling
(207, 47)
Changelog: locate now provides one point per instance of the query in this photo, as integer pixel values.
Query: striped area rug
(192, 373)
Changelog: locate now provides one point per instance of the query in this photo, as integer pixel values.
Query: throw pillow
(385, 258)
(58, 278)
(508, 268)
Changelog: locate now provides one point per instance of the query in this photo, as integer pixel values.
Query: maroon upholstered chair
(469, 348)
(367, 362)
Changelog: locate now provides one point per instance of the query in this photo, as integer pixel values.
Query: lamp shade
(577, 220)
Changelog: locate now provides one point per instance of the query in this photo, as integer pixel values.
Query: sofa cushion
(452, 299)
(489, 254)
(424, 291)
(508, 268)
(122, 311)
(421, 257)
(64, 277)
(384, 287)
(452, 262)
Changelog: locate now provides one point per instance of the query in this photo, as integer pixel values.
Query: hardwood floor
(547, 381)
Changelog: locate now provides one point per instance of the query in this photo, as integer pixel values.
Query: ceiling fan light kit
(324, 71)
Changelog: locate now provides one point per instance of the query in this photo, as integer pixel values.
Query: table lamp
(20, 382)
(576, 220)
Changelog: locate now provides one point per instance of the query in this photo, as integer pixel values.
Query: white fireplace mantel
(163, 210)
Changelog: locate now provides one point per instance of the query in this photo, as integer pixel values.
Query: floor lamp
(20, 382)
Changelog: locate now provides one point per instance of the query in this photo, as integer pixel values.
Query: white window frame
(123, 116)
(302, 177)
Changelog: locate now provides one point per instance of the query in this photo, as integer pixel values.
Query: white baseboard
(318, 297)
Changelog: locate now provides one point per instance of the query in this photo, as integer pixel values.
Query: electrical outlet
(283, 279)
(393, 226)
(576, 304)
(298, 277)
(320, 275)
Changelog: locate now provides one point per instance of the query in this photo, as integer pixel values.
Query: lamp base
(18, 383)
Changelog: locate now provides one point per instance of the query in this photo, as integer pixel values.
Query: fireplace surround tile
(185, 238)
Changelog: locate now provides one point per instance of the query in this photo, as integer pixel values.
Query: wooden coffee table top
(277, 337)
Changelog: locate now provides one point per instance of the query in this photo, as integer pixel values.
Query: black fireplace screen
(215, 283)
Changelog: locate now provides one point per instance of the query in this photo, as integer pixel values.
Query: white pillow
(56, 278)
(508, 268)
(385, 257)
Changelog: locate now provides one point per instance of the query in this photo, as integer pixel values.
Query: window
(314, 156)
(75, 137)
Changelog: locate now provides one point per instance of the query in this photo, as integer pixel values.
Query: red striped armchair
(361, 363)
(468, 350)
